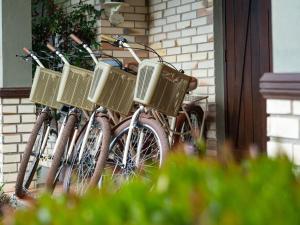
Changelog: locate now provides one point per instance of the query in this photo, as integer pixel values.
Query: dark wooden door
(248, 57)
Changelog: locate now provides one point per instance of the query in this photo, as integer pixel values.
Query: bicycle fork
(86, 134)
(140, 142)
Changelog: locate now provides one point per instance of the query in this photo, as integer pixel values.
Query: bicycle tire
(153, 126)
(58, 155)
(20, 190)
(181, 121)
(99, 156)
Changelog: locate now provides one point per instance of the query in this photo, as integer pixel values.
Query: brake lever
(47, 54)
(23, 56)
(76, 47)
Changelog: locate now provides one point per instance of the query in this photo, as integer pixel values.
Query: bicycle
(142, 142)
(72, 91)
(106, 90)
(35, 148)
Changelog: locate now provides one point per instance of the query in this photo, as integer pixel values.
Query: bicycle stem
(89, 50)
(127, 46)
(62, 57)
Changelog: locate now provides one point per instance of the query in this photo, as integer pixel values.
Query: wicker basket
(45, 87)
(112, 88)
(74, 87)
(160, 87)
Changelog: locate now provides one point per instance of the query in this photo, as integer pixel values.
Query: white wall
(286, 35)
(15, 33)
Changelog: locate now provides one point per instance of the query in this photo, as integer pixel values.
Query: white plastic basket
(112, 88)
(45, 87)
(74, 87)
(160, 87)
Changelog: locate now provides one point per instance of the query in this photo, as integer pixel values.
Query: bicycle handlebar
(26, 50)
(76, 39)
(107, 38)
(33, 56)
(51, 47)
(85, 46)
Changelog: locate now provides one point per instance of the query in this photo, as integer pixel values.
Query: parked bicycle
(45, 125)
(92, 147)
(142, 142)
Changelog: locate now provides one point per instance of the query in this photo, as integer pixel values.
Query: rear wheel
(190, 128)
(148, 138)
(86, 171)
(32, 155)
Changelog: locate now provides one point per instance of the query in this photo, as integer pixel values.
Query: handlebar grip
(76, 39)
(26, 50)
(51, 48)
(107, 38)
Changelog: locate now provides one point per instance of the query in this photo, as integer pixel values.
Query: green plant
(185, 191)
(5, 200)
(51, 23)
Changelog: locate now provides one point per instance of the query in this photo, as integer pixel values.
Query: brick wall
(283, 128)
(17, 117)
(182, 32)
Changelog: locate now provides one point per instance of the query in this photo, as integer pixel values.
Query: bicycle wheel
(86, 172)
(58, 156)
(149, 137)
(31, 157)
(189, 133)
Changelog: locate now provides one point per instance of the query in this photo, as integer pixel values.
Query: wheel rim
(150, 154)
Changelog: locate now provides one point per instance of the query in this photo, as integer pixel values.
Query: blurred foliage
(53, 23)
(4, 199)
(185, 191)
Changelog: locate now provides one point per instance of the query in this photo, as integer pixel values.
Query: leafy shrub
(185, 191)
(5, 199)
(52, 23)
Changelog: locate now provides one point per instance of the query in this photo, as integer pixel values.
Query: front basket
(74, 87)
(160, 87)
(45, 87)
(112, 88)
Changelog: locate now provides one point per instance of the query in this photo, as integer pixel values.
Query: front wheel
(58, 157)
(87, 162)
(147, 149)
(31, 157)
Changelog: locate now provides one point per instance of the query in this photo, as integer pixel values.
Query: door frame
(219, 43)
